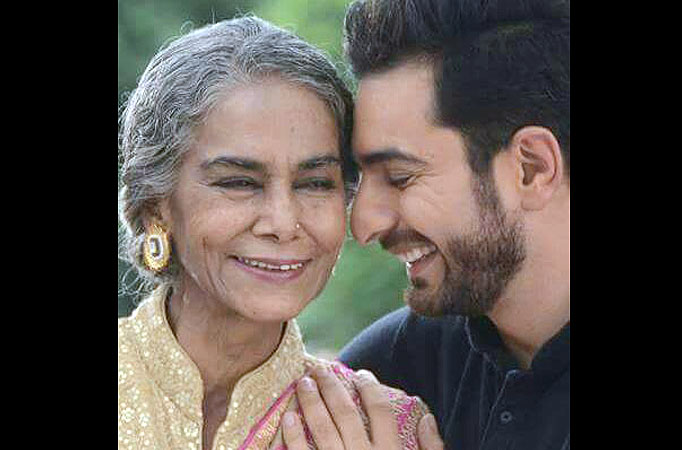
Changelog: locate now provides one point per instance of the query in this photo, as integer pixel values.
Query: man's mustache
(400, 236)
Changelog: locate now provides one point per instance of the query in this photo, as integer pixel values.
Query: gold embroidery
(160, 391)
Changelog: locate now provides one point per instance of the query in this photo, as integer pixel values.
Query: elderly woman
(236, 160)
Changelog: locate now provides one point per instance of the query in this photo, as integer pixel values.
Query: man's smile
(413, 255)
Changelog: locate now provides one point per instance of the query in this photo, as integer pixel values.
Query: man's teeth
(262, 265)
(414, 254)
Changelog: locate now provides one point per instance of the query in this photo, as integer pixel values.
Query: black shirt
(480, 396)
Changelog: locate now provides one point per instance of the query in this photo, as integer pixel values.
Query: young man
(462, 135)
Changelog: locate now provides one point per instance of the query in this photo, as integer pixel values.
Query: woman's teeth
(414, 254)
(262, 265)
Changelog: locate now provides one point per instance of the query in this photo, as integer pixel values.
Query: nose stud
(298, 226)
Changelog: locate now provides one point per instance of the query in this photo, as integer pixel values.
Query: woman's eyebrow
(233, 161)
(317, 162)
(254, 165)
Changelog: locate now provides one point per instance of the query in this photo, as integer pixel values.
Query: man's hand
(335, 423)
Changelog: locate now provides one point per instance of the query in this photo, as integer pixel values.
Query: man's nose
(373, 215)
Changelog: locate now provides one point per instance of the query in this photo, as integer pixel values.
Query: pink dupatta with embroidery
(408, 410)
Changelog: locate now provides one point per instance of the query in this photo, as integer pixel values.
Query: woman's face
(257, 218)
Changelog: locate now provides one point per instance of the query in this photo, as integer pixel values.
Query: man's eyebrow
(389, 154)
(233, 161)
(317, 162)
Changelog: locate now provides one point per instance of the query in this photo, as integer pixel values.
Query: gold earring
(156, 250)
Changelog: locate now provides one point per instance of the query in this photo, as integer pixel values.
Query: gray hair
(179, 88)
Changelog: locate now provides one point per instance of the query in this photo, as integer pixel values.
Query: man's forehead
(393, 114)
(398, 99)
(406, 78)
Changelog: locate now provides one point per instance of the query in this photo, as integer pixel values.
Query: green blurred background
(367, 282)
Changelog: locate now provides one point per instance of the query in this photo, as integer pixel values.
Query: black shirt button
(506, 417)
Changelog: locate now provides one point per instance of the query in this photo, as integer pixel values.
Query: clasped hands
(335, 423)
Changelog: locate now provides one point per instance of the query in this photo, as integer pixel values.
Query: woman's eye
(238, 184)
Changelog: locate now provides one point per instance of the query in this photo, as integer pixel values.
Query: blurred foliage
(367, 282)
(144, 26)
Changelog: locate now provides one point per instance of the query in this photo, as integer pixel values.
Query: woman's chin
(276, 310)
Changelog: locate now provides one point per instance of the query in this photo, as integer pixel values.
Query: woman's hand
(335, 423)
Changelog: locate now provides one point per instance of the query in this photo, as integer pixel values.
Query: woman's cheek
(329, 221)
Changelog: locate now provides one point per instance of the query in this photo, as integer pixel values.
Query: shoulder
(128, 331)
(132, 371)
(376, 341)
(400, 337)
(124, 324)
(124, 338)
(413, 353)
(395, 327)
(136, 328)
(128, 360)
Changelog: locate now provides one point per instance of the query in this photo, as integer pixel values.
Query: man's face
(419, 198)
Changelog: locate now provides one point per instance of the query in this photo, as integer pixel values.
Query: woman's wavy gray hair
(178, 89)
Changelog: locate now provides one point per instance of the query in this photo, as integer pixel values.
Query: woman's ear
(157, 213)
(537, 156)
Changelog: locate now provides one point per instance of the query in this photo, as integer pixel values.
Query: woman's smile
(278, 270)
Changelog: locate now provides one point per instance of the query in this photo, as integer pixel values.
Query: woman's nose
(279, 216)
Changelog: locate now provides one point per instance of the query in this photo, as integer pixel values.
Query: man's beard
(479, 264)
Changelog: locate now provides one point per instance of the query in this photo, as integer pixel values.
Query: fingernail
(367, 375)
(307, 383)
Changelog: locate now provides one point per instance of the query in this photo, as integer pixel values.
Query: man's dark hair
(499, 65)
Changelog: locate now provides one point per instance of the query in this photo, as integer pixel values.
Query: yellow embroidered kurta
(160, 391)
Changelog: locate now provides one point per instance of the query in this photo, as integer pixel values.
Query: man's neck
(525, 328)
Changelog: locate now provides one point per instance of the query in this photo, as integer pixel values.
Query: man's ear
(537, 155)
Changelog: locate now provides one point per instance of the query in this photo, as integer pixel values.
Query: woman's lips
(273, 264)
(268, 269)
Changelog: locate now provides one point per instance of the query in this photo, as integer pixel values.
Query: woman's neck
(223, 345)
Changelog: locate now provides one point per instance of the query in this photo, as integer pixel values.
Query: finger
(317, 417)
(278, 442)
(383, 424)
(427, 432)
(344, 412)
(292, 433)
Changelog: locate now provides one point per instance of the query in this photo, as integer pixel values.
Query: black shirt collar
(553, 358)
